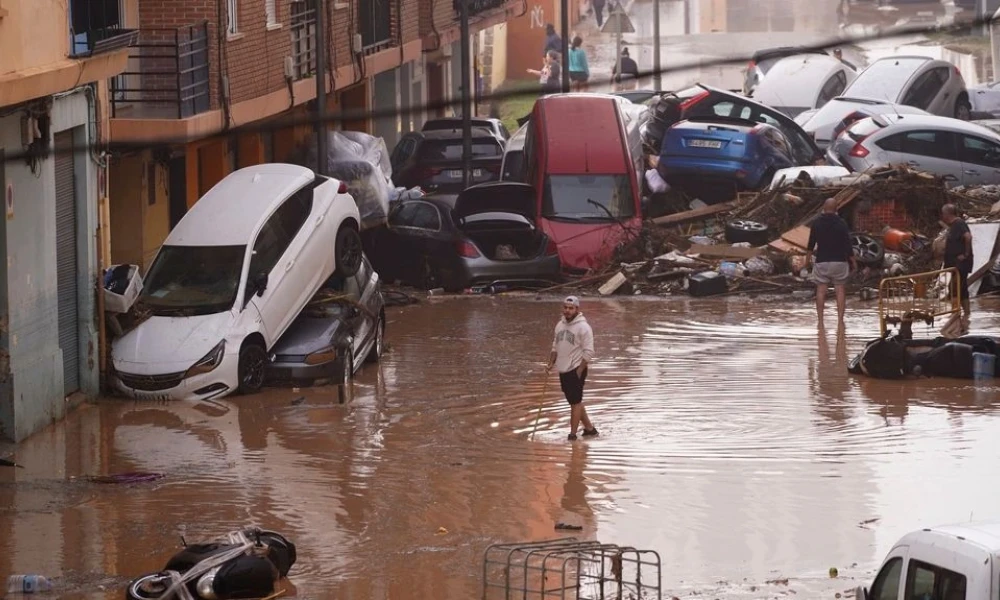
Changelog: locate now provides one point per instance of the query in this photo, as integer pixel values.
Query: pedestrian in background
(550, 76)
(629, 76)
(830, 237)
(553, 43)
(958, 254)
(572, 351)
(579, 70)
(598, 12)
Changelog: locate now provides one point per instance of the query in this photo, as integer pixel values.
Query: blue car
(715, 157)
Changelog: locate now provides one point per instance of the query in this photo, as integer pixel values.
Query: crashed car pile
(757, 242)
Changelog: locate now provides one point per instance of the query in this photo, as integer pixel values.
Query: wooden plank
(783, 246)
(798, 236)
(694, 215)
(723, 251)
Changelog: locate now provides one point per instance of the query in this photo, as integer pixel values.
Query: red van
(583, 154)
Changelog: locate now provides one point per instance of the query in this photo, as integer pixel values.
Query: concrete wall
(36, 375)
(33, 34)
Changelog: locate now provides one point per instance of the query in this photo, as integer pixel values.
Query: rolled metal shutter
(66, 261)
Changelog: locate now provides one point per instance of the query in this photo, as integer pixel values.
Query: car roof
(442, 120)
(768, 53)
(985, 535)
(946, 123)
(230, 212)
(703, 123)
(810, 72)
(569, 144)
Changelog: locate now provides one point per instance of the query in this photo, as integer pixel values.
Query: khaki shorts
(837, 273)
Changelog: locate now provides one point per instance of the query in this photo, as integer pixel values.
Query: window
(935, 144)
(419, 215)
(303, 32)
(588, 197)
(402, 152)
(193, 280)
(271, 11)
(833, 88)
(452, 149)
(926, 581)
(926, 88)
(980, 152)
(232, 16)
(886, 584)
(294, 212)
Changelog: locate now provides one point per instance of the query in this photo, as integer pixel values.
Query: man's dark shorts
(572, 386)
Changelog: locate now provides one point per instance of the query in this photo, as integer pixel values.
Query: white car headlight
(209, 362)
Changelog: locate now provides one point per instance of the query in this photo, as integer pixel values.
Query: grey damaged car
(342, 328)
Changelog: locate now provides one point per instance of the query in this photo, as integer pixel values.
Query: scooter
(246, 564)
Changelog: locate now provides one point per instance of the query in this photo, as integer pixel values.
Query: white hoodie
(573, 343)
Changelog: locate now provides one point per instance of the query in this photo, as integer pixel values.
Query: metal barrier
(569, 569)
(918, 297)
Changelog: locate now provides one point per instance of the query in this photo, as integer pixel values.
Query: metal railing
(167, 76)
(303, 31)
(96, 28)
(477, 6)
(376, 25)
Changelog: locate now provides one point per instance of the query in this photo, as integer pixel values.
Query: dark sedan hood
(307, 335)
(497, 196)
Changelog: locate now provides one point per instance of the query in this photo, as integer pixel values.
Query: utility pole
(657, 80)
(321, 158)
(564, 27)
(466, 98)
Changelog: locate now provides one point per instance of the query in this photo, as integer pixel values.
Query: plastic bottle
(729, 269)
(28, 584)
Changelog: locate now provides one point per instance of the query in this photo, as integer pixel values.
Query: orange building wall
(526, 35)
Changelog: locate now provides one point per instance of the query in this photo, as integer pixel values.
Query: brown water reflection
(732, 442)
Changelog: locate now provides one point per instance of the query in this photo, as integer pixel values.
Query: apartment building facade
(55, 60)
(213, 86)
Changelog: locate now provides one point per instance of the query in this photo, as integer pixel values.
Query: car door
(888, 584)
(269, 258)
(402, 154)
(930, 150)
(308, 262)
(416, 228)
(833, 87)
(980, 160)
(354, 317)
(364, 330)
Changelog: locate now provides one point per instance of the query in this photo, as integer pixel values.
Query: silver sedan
(963, 153)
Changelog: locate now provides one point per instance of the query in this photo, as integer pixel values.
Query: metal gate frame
(588, 570)
(918, 297)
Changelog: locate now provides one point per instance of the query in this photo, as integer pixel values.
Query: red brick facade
(439, 21)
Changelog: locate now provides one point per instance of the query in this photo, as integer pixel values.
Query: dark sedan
(432, 160)
(485, 236)
(340, 329)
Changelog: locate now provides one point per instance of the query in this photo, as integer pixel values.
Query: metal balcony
(167, 75)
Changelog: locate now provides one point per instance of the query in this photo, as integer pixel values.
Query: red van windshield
(588, 197)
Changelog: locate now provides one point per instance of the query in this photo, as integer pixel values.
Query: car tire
(868, 250)
(348, 251)
(963, 110)
(375, 354)
(751, 232)
(253, 362)
(346, 374)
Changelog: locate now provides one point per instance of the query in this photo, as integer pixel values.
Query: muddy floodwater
(732, 441)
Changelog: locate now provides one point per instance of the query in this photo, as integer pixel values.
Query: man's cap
(573, 300)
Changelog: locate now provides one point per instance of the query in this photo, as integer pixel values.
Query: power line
(280, 123)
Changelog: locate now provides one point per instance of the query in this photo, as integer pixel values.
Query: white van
(230, 279)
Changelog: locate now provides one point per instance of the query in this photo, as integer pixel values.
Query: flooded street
(733, 442)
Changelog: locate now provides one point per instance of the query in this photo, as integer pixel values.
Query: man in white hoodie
(572, 351)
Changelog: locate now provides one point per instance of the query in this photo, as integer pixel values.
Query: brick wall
(172, 14)
(439, 16)
(254, 59)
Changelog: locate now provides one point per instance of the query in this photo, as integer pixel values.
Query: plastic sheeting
(362, 162)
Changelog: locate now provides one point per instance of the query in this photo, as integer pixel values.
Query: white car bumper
(221, 381)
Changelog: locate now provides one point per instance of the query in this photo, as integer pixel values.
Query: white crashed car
(230, 279)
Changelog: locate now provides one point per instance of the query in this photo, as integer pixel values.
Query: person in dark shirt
(553, 43)
(630, 72)
(830, 238)
(958, 254)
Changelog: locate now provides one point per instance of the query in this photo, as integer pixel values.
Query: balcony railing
(376, 25)
(477, 6)
(303, 30)
(167, 76)
(96, 28)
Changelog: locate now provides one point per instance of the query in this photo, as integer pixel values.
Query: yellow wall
(34, 33)
(156, 215)
(713, 15)
(500, 42)
(138, 226)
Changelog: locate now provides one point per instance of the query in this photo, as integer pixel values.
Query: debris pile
(757, 242)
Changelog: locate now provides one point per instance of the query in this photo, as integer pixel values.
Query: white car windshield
(193, 280)
(588, 197)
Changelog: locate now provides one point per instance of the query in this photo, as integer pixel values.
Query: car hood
(169, 344)
(585, 246)
(497, 196)
(307, 335)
